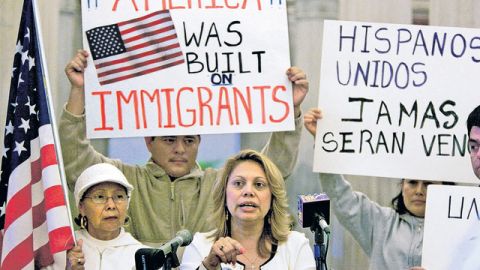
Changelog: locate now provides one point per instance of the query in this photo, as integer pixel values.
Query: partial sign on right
(395, 100)
(451, 238)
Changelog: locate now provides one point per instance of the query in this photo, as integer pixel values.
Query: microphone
(323, 223)
(314, 208)
(152, 258)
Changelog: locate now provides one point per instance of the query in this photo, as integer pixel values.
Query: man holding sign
(473, 127)
(173, 191)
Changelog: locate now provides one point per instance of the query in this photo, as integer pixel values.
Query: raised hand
(310, 120)
(75, 71)
(300, 86)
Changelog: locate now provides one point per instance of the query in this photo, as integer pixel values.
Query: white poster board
(186, 67)
(395, 100)
(451, 238)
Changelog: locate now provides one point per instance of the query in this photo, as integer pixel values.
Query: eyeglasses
(102, 199)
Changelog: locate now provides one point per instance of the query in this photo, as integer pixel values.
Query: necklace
(252, 264)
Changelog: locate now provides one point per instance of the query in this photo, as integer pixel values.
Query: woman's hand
(310, 120)
(75, 257)
(223, 250)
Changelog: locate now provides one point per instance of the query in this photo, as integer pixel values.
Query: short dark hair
(198, 135)
(473, 119)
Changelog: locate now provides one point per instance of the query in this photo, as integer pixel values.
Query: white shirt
(294, 254)
(118, 253)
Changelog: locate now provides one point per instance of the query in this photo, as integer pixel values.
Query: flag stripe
(38, 219)
(20, 177)
(146, 35)
(50, 177)
(40, 235)
(143, 54)
(142, 72)
(136, 56)
(19, 257)
(139, 65)
(48, 156)
(153, 43)
(142, 68)
(60, 235)
(61, 239)
(20, 229)
(35, 168)
(18, 205)
(37, 194)
(42, 253)
(151, 25)
(45, 135)
(54, 197)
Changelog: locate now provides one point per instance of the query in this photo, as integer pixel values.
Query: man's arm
(77, 151)
(282, 147)
(75, 70)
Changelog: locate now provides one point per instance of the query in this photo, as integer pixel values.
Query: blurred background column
(459, 13)
(391, 11)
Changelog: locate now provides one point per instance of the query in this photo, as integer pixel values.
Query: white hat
(96, 174)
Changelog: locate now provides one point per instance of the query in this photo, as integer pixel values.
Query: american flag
(34, 222)
(135, 47)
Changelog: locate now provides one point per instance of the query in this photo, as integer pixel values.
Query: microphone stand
(171, 260)
(319, 246)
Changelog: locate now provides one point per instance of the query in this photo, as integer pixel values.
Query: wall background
(61, 34)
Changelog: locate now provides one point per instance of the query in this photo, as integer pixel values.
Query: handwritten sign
(451, 238)
(186, 67)
(395, 100)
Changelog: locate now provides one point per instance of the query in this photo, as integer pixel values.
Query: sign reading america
(186, 67)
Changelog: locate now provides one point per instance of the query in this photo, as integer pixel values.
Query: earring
(84, 222)
(226, 223)
(127, 221)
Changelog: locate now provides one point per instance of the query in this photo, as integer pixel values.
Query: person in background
(473, 128)
(102, 195)
(392, 238)
(253, 226)
(172, 192)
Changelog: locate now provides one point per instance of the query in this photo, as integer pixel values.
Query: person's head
(473, 128)
(251, 192)
(175, 154)
(413, 197)
(102, 195)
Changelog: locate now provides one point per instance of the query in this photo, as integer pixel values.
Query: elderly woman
(102, 195)
(252, 221)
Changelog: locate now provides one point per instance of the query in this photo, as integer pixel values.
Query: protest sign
(395, 100)
(186, 67)
(451, 238)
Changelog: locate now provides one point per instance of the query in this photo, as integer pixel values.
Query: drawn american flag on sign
(135, 47)
(34, 223)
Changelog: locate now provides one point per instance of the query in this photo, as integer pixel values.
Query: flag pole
(58, 148)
